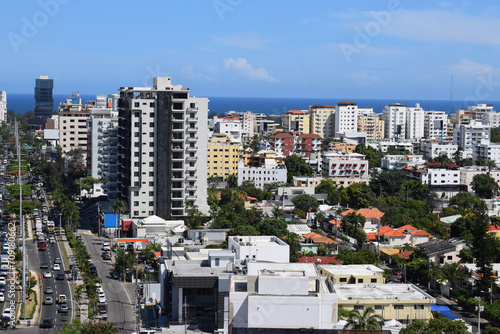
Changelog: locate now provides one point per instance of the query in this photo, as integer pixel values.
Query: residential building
(443, 252)
(467, 175)
(467, 136)
(44, 102)
(373, 126)
(436, 125)
(479, 111)
(306, 181)
(403, 302)
(307, 145)
(248, 122)
(486, 151)
(435, 149)
(102, 152)
(267, 127)
(387, 237)
(339, 146)
(444, 181)
(415, 122)
(271, 293)
(107, 101)
(492, 119)
(230, 126)
(373, 217)
(394, 116)
(162, 147)
(397, 162)
(353, 273)
(259, 159)
(154, 227)
(3, 105)
(223, 156)
(73, 131)
(340, 164)
(322, 120)
(296, 121)
(283, 144)
(461, 117)
(259, 248)
(346, 117)
(402, 146)
(270, 172)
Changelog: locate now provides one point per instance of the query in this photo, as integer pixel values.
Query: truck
(50, 226)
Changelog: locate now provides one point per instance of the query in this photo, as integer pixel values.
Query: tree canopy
(296, 166)
(484, 186)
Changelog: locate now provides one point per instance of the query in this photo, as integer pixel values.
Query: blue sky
(282, 48)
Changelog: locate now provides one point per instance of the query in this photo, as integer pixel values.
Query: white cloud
(190, 73)
(363, 78)
(445, 26)
(467, 66)
(245, 41)
(241, 66)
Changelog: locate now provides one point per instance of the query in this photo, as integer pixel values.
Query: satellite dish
(318, 260)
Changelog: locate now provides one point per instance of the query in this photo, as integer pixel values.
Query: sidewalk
(84, 302)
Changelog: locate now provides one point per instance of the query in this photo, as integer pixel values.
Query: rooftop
(380, 292)
(353, 269)
(304, 269)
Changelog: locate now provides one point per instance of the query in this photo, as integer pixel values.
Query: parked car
(9, 312)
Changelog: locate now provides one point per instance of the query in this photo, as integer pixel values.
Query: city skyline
(393, 49)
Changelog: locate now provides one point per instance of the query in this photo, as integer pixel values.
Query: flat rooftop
(353, 269)
(282, 269)
(380, 292)
(257, 240)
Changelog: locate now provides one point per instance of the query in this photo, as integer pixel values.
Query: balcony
(192, 139)
(192, 148)
(191, 178)
(177, 148)
(189, 158)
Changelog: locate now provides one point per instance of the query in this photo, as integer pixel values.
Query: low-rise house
(388, 237)
(403, 302)
(373, 217)
(259, 248)
(353, 273)
(442, 252)
(494, 230)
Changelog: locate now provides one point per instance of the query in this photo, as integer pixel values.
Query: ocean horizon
(21, 103)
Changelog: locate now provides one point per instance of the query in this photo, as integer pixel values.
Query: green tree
(88, 327)
(296, 166)
(390, 182)
(194, 217)
(372, 155)
(366, 320)
(327, 186)
(439, 325)
(305, 202)
(484, 186)
(443, 158)
(357, 195)
(232, 181)
(292, 239)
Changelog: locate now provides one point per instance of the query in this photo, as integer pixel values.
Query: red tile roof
(407, 228)
(336, 223)
(394, 233)
(404, 255)
(367, 213)
(283, 135)
(319, 239)
(372, 236)
(346, 103)
(323, 259)
(296, 112)
(384, 229)
(494, 228)
(309, 135)
(419, 232)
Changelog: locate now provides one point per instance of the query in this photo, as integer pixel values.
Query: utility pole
(185, 315)
(479, 308)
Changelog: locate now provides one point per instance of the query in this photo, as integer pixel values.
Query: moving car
(57, 260)
(2, 297)
(47, 274)
(48, 301)
(63, 308)
(42, 248)
(9, 312)
(44, 265)
(49, 290)
(60, 276)
(56, 267)
(47, 323)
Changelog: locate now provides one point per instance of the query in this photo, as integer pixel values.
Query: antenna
(451, 95)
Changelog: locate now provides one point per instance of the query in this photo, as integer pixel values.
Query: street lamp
(479, 309)
(60, 225)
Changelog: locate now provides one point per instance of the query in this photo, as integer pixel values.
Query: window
(373, 280)
(136, 203)
(343, 280)
(358, 307)
(417, 307)
(399, 307)
(379, 307)
(450, 257)
(360, 280)
(136, 104)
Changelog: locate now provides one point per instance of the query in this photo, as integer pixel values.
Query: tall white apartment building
(3, 105)
(162, 149)
(394, 116)
(492, 119)
(436, 125)
(346, 117)
(107, 101)
(336, 164)
(467, 136)
(479, 110)
(415, 117)
(435, 149)
(230, 126)
(102, 151)
(322, 120)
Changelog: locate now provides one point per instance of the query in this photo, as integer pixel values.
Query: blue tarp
(449, 315)
(439, 308)
(110, 219)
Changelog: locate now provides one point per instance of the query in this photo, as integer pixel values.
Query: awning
(444, 311)
(449, 315)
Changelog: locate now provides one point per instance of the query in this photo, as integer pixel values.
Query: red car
(42, 248)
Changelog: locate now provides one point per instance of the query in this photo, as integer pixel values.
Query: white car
(3, 280)
(100, 290)
(9, 312)
(56, 267)
(47, 274)
(2, 297)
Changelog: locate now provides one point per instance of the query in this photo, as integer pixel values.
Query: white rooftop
(299, 229)
(282, 269)
(353, 269)
(263, 240)
(380, 292)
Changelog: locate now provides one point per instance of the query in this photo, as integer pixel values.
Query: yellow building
(344, 147)
(403, 302)
(322, 119)
(373, 126)
(295, 121)
(353, 274)
(223, 156)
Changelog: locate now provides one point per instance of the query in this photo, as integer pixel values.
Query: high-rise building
(73, 117)
(162, 149)
(296, 121)
(44, 102)
(346, 117)
(479, 110)
(223, 156)
(436, 125)
(415, 117)
(394, 116)
(373, 126)
(322, 120)
(468, 136)
(3, 105)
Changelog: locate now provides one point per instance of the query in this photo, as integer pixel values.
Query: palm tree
(119, 207)
(277, 212)
(366, 320)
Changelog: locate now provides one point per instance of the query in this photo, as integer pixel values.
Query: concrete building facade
(223, 157)
(3, 105)
(394, 116)
(162, 147)
(346, 117)
(44, 102)
(373, 126)
(322, 120)
(296, 121)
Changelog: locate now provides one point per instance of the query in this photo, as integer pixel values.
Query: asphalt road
(120, 305)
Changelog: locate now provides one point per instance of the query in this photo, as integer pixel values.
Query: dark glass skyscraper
(43, 97)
